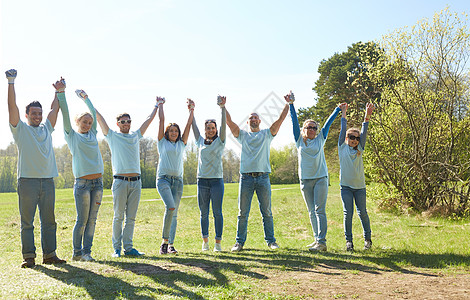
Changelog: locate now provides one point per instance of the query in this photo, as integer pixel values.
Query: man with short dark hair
(36, 171)
(254, 175)
(125, 156)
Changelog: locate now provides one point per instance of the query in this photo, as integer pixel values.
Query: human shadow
(97, 286)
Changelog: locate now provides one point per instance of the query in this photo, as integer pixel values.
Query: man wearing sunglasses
(125, 157)
(254, 175)
(36, 171)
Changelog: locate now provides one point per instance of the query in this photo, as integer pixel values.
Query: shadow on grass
(183, 274)
(96, 285)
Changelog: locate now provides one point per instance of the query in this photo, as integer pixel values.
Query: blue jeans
(211, 189)
(349, 196)
(315, 192)
(88, 194)
(262, 186)
(126, 198)
(32, 193)
(170, 189)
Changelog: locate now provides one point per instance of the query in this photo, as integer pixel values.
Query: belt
(135, 178)
(255, 174)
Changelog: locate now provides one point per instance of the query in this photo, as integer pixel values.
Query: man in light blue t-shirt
(36, 171)
(125, 158)
(254, 175)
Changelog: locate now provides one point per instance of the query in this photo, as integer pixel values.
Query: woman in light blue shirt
(87, 167)
(171, 145)
(313, 172)
(351, 144)
(210, 182)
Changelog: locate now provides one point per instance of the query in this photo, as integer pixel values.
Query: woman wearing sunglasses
(210, 182)
(351, 145)
(313, 172)
(171, 145)
(87, 167)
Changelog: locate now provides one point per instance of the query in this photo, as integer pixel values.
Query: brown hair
(167, 129)
(122, 115)
(80, 116)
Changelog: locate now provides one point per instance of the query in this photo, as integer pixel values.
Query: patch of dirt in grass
(325, 282)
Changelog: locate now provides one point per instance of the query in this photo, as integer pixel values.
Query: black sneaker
(367, 244)
(172, 250)
(164, 249)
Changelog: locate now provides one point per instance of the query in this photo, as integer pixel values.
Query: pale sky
(124, 53)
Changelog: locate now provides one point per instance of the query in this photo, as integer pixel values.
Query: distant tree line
(283, 164)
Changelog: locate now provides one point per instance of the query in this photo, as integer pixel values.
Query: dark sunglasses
(125, 121)
(312, 128)
(353, 137)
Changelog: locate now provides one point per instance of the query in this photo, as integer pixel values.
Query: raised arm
(65, 112)
(330, 120)
(196, 132)
(161, 117)
(223, 125)
(344, 125)
(187, 128)
(295, 121)
(146, 124)
(13, 112)
(97, 117)
(59, 86)
(277, 124)
(369, 109)
(233, 127)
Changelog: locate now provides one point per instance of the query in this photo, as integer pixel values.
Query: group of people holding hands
(37, 168)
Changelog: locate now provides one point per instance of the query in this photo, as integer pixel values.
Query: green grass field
(401, 244)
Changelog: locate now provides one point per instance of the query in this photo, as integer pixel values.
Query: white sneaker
(205, 246)
(217, 247)
(237, 247)
(367, 244)
(312, 244)
(87, 257)
(318, 247)
(273, 246)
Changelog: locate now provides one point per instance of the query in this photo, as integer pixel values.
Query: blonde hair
(80, 116)
(353, 129)
(305, 125)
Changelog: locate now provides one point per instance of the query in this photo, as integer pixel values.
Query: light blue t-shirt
(312, 163)
(210, 158)
(86, 155)
(35, 152)
(350, 160)
(255, 150)
(125, 154)
(170, 158)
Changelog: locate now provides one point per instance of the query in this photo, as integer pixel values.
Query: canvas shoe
(367, 244)
(349, 246)
(273, 246)
(217, 247)
(117, 253)
(237, 247)
(318, 247)
(133, 252)
(164, 249)
(205, 246)
(87, 257)
(312, 244)
(172, 249)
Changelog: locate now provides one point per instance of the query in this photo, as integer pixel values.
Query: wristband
(11, 80)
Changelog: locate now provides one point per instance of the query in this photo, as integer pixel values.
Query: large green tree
(419, 134)
(344, 78)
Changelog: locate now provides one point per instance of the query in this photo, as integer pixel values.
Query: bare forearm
(149, 120)
(233, 127)
(276, 125)
(14, 113)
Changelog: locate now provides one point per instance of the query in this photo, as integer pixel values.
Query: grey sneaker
(273, 246)
(367, 244)
(217, 247)
(205, 246)
(237, 247)
(76, 257)
(318, 247)
(349, 246)
(87, 257)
